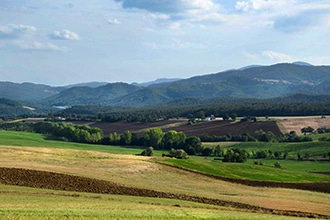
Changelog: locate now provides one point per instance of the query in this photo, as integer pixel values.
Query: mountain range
(252, 82)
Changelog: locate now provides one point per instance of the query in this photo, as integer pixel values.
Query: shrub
(148, 152)
(235, 155)
(179, 154)
(277, 164)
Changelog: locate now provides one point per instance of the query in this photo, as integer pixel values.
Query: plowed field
(50, 180)
(216, 127)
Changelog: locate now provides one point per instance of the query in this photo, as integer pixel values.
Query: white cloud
(177, 44)
(263, 4)
(114, 21)
(11, 31)
(64, 35)
(302, 20)
(38, 46)
(176, 9)
(249, 55)
(41, 46)
(204, 5)
(277, 56)
(159, 16)
(175, 26)
(168, 6)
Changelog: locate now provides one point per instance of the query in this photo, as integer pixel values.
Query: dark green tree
(154, 137)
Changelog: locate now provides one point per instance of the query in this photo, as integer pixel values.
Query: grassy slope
(12, 138)
(314, 148)
(292, 171)
(133, 171)
(25, 203)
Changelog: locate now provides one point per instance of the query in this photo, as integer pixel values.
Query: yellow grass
(142, 172)
(297, 123)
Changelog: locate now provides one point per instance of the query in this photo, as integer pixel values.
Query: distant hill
(87, 84)
(102, 95)
(302, 63)
(27, 91)
(158, 81)
(251, 82)
(13, 108)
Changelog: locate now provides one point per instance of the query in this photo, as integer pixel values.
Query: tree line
(224, 110)
(157, 139)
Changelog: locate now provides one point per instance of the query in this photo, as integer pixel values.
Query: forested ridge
(261, 82)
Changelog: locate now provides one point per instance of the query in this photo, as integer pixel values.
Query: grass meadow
(120, 165)
(28, 203)
(291, 171)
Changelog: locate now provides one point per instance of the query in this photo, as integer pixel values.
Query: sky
(62, 42)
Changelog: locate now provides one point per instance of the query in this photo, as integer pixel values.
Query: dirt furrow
(57, 181)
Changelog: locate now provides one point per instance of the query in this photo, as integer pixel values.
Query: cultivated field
(297, 123)
(216, 127)
(159, 191)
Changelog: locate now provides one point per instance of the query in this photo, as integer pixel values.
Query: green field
(314, 148)
(291, 171)
(14, 138)
(118, 164)
(27, 203)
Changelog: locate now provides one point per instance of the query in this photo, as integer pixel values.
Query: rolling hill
(254, 82)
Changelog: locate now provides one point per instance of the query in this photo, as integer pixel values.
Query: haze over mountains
(261, 82)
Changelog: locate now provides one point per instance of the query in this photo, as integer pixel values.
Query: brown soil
(221, 128)
(122, 126)
(50, 180)
(216, 127)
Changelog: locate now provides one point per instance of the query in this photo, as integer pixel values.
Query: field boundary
(57, 181)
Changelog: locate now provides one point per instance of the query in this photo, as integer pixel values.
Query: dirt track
(56, 181)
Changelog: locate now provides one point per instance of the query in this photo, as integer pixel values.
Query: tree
(235, 155)
(233, 116)
(193, 145)
(217, 151)
(308, 129)
(114, 138)
(225, 117)
(207, 151)
(153, 137)
(277, 154)
(126, 138)
(174, 139)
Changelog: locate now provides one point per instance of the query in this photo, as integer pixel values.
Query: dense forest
(226, 110)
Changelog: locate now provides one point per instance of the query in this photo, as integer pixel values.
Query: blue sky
(64, 42)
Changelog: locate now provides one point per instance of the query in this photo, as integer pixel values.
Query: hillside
(102, 95)
(27, 91)
(31, 160)
(262, 82)
(12, 108)
(253, 82)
